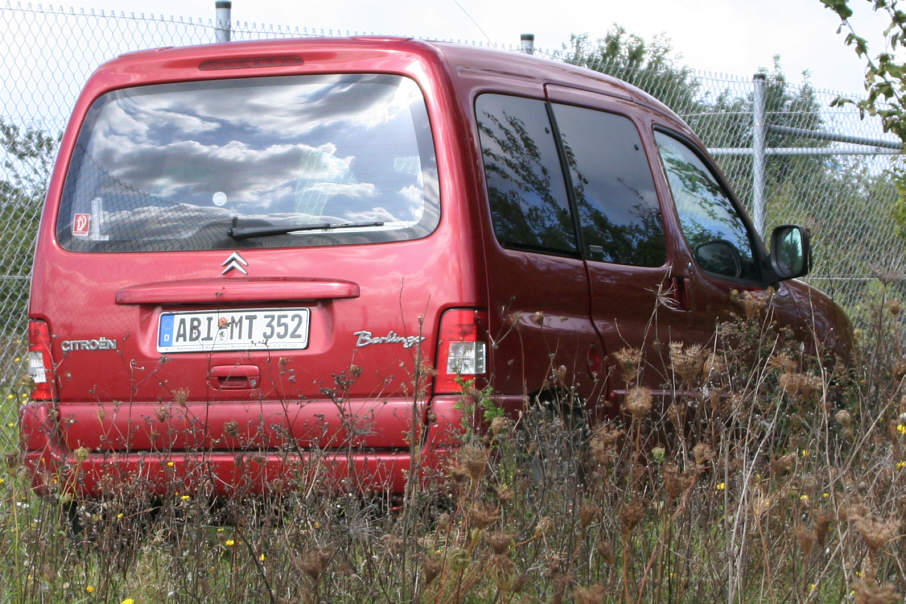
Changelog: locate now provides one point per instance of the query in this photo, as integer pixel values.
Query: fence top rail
(841, 138)
(816, 151)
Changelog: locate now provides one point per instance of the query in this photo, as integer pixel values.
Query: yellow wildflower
(262, 557)
(185, 497)
(803, 498)
(17, 359)
(170, 464)
(119, 516)
(805, 452)
(89, 589)
(721, 486)
(825, 495)
(901, 428)
(128, 601)
(229, 543)
(901, 465)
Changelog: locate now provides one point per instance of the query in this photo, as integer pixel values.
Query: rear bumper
(224, 474)
(56, 468)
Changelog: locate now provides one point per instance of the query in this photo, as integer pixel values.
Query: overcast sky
(727, 36)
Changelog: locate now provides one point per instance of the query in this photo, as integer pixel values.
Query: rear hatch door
(240, 259)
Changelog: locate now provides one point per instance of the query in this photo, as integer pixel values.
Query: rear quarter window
(341, 159)
(529, 205)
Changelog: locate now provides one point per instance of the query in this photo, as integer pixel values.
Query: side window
(716, 233)
(529, 206)
(615, 197)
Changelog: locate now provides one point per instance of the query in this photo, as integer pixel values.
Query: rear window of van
(254, 162)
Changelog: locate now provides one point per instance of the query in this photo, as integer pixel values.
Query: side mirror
(720, 257)
(791, 253)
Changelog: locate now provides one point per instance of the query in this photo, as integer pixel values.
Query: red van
(254, 254)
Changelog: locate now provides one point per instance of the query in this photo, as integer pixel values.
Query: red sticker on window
(81, 224)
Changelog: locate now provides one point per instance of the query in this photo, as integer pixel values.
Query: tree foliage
(647, 65)
(885, 80)
(885, 73)
(28, 155)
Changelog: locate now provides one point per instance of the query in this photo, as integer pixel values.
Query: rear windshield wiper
(237, 232)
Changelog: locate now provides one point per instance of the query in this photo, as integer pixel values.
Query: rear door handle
(233, 377)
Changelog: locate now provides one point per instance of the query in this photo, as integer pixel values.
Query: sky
(735, 37)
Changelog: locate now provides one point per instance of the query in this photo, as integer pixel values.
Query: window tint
(615, 197)
(176, 166)
(719, 239)
(529, 206)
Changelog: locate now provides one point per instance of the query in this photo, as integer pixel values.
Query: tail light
(462, 349)
(40, 363)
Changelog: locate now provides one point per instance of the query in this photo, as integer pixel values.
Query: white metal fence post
(758, 144)
(222, 20)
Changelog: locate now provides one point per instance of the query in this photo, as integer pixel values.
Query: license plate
(243, 329)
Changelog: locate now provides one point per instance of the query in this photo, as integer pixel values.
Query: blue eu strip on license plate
(237, 329)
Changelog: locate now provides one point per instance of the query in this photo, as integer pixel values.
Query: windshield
(176, 166)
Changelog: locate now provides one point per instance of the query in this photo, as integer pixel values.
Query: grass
(773, 477)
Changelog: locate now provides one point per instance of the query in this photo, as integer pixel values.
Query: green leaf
(841, 7)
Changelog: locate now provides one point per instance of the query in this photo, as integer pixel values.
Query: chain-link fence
(840, 190)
